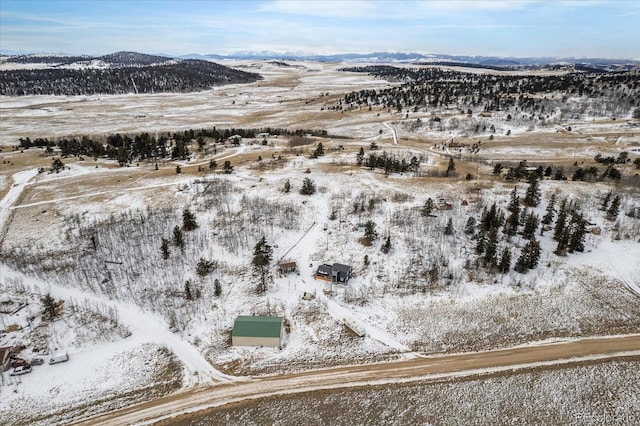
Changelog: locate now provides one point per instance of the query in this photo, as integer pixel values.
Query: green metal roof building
(257, 331)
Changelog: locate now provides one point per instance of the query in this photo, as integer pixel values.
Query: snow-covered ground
(91, 237)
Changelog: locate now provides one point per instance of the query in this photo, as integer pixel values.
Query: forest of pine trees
(496, 231)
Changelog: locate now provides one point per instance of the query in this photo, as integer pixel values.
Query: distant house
(337, 273)
(5, 358)
(443, 204)
(257, 331)
(287, 267)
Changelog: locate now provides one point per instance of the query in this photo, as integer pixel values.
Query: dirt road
(419, 368)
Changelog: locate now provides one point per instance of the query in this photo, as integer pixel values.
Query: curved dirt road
(420, 368)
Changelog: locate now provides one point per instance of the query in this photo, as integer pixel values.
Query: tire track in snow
(20, 179)
(393, 132)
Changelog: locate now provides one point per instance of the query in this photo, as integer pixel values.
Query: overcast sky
(579, 28)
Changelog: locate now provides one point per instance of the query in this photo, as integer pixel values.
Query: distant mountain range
(394, 57)
(128, 59)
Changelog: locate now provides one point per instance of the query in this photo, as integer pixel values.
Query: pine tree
(164, 248)
(530, 226)
(187, 290)
(49, 304)
(505, 261)
(514, 201)
(360, 157)
(470, 226)
(370, 233)
(533, 247)
(550, 211)
(57, 165)
(217, 288)
(491, 248)
(576, 241)
(428, 207)
(490, 218)
(287, 187)
(605, 203)
(188, 220)
(451, 167)
(563, 242)
(205, 267)
(386, 247)
(532, 196)
(513, 221)
(227, 167)
(178, 238)
(521, 263)
(308, 187)
(262, 255)
(481, 245)
(448, 230)
(529, 257)
(319, 152)
(614, 209)
(561, 222)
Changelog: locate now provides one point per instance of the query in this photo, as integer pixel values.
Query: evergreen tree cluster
(387, 162)
(434, 87)
(496, 228)
(182, 76)
(144, 146)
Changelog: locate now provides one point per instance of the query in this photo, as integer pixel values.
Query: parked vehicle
(36, 361)
(18, 371)
(18, 362)
(58, 358)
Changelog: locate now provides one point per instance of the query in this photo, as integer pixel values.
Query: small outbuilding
(257, 331)
(287, 267)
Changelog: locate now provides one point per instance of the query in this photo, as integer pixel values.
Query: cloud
(325, 9)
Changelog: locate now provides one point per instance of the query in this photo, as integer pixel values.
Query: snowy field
(589, 395)
(90, 237)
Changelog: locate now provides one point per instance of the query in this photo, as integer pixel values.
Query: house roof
(287, 265)
(339, 267)
(256, 326)
(324, 269)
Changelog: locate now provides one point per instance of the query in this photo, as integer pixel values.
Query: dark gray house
(341, 273)
(337, 273)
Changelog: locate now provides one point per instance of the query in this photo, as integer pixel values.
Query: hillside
(118, 73)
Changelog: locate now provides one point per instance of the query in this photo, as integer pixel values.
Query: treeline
(434, 87)
(182, 76)
(145, 146)
(388, 163)
(588, 174)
